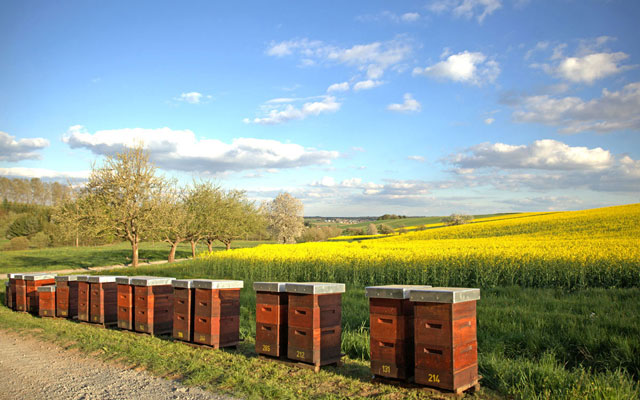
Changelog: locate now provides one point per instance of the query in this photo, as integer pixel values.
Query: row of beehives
(416, 331)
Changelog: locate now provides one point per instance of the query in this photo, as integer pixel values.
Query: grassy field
(59, 258)
(559, 316)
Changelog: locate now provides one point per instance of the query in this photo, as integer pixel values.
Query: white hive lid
(392, 291)
(217, 284)
(444, 295)
(314, 287)
(269, 286)
(150, 280)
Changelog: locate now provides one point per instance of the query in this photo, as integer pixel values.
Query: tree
(125, 197)
(203, 203)
(457, 219)
(284, 217)
(372, 230)
(72, 217)
(173, 221)
(24, 225)
(238, 217)
(385, 229)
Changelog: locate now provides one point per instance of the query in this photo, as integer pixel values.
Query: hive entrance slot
(432, 326)
(433, 351)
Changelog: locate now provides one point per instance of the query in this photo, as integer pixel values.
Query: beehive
(7, 293)
(446, 352)
(271, 318)
(84, 297)
(11, 296)
(67, 296)
(183, 309)
(153, 304)
(125, 303)
(31, 284)
(391, 327)
(103, 299)
(217, 312)
(314, 317)
(47, 301)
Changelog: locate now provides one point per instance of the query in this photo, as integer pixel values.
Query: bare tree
(125, 195)
(457, 219)
(284, 217)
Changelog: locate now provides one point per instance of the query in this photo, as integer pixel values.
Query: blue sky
(356, 108)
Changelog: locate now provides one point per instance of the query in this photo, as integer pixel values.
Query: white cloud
(468, 9)
(416, 158)
(409, 105)
(366, 85)
(22, 149)
(410, 17)
(592, 60)
(181, 150)
(193, 97)
(390, 16)
(28, 173)
(489, 120)
(279, 111)
(592, 67)
(338, 87)
(373, 58)
(540, 46)
(544, 154)
(613, 111)
(474, 68)
(544, 165)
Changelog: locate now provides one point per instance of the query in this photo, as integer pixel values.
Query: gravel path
(33, 369)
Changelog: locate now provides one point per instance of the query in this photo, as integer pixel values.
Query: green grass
(237, 372)
(59, 258)
(532, 343)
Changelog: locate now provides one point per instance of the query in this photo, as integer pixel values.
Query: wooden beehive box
(7, 293)
(183, 309)
(20, 293)
(47, 301)
(125, 303)
(446, 353)
(31, 284)
(103, 300)
(217, 312)
(11, 294)
(84, 297)
(153, 304)
(314, 318)
(391, 327)
(67, 296)
(271, 318)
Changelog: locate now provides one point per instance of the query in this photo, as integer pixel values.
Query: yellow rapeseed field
(591, 248)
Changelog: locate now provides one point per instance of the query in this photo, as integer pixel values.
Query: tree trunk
(77, 240)
(134, 259)
(193, 248)
(228, 244)
(210, 245)
(172, 253)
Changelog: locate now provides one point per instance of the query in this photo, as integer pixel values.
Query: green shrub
(24, 225)
(40, 240)
(17, 243)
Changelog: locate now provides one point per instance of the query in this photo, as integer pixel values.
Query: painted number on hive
(386, 369)
(300, 354)
(434, 378)
(266, 347)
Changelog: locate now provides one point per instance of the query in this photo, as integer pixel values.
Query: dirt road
(33, 369)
